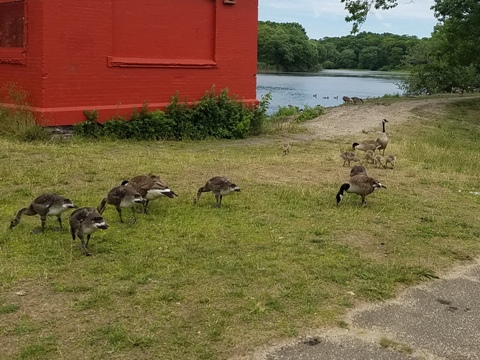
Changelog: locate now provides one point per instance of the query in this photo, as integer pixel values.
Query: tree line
(447, 61)
(286, 47)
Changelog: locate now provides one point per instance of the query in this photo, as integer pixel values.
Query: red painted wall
(114, 55)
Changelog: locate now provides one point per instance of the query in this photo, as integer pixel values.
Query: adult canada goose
(150, 187)
(382, 141)
(390, 159)
(357, 100)
(85, 221)
(44, 205)
(123, 196)
(220, 186)
(378, 161)
(346, 99)
(349, 156)
(365, 145)
(358, 169)
(360, 184)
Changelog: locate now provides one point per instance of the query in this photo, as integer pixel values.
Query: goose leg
(88, 239)
(134, 217)
(119, 210)
(217, 198)
(59, 218)
(83, 247)
(43, 219)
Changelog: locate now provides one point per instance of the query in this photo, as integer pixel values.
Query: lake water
(326, 87)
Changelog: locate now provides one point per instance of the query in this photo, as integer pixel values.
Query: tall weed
(17, 120)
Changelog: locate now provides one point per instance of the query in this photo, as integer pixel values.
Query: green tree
(286, 47)
(450, 58)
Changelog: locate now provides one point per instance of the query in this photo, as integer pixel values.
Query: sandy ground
(366, 118)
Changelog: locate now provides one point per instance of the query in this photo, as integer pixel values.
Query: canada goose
(85, 221)
(314, 95)
(365, 145)
(44, 205)
(369, 155)
(150, 187)
(390, 159)
(220, 186)
(358, 169)
(357, 100)
(286, 148)
(123, 196)
(360, 184)
(378, 161)
(382, 141)
(349, 156)
(346, 99)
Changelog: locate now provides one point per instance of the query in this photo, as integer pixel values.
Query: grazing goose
(150, 187)
(44, 205)
(220, 186)
(358, 169)
(378, 161)
(349, 156)
(123, 196)
(346, 99)
(365, 145)
(390, 159)
(360, 184)
(357, 100)
(382, 141)
(85, 221)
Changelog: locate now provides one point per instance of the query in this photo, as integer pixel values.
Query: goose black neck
(343, 188)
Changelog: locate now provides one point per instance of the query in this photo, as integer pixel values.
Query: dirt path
(355, 119)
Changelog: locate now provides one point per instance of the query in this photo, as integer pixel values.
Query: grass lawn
(197, 282)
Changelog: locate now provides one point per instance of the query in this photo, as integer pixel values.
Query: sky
(326, 18)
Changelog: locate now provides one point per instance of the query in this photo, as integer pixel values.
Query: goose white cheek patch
(100, 224)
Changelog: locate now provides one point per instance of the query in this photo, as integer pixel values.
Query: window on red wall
(12, 32)
(12, 23)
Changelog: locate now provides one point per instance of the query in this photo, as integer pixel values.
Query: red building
(113, 55)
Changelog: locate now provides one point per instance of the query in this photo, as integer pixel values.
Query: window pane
(11, 24)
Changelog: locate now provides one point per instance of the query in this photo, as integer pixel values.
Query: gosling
(85, 221)
(286, 148)
(390, 159)
(150, 187)
(378, 161)
(220, 186)
(369, 156)
(349, 156)
(358, 169)
(123, 196)
(360, 184)
(44, 205)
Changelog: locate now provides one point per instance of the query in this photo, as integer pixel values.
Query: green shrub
(214, 116)
(309, 113)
